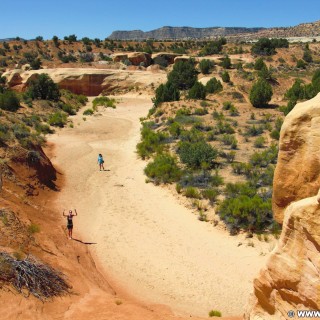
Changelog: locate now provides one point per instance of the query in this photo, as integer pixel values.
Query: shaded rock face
(169, 57)
(297, 174)
(87, 84)
(291, 281)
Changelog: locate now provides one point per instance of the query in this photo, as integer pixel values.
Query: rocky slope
(302, 30)
(290, 280)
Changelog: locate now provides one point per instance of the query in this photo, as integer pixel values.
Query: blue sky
(98, 18)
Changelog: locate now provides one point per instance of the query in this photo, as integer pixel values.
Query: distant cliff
(302, 30)
(180, 33)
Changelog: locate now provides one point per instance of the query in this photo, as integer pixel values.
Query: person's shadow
(83, 241)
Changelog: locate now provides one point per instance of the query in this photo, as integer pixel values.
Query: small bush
(33, 228)
(213, 86)
(259, 142)
(195, 154)
(210, 194)
(191, 192)
(88, 112)
(163, 169)
(105, 102)
(58, 119)
(215, 313)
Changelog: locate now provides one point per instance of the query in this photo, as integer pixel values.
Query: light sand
(146, 241)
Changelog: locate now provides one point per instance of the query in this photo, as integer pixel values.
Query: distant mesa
(180, 33)
(174, 33)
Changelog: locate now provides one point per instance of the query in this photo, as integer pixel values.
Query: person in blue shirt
(100, 161)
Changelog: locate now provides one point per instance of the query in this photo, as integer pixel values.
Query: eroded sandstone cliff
(290, 281)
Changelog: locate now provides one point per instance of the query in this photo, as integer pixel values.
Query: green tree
(205, 66)
(260, 94)
(55, 40)
(259, 64)
(225, 76)
(44, 88)
(9, 101)
(165, 93)
(198, 91)
(183, 75)
(226, 62)
(264, 47)
(213, 85)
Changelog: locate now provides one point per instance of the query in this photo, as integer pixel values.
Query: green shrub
(260, 93)
(205, 66)
(58, 119)
(259, 64)
(175, 129)
(191, 192)
(195, 154)
(151, 142)
(104, 102)
(225, 76)
(163, 169)
(215, 313)
(213, 47)
(213, 85)
(68, 108)
(165, 93)
(9, 101)
(44, 88)
(183, 75)
(210, 194)
(226, 63)
(201, 111)
(88, 112)
(33, 228)
(260, 142)
(248, 213)
(253, 131)
(198, 91)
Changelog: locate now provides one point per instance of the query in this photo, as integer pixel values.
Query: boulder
(140, 59)
(119, 57)
(297, 174)
(290, 280)
(14, 78)
(168, 57)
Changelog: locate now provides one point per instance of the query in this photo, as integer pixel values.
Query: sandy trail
(145, 240)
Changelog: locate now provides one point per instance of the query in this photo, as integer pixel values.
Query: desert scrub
(191, 192)
(210, 194)
(195, 154)
(243, 208)
(88, 112)
(58, 119)
(163, 169)
(259, 142)
(151, 141)
(33, 228)
(215, 313)
(105, 102)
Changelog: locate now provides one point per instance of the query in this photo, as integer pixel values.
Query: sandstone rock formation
(297, 175)
(90, 82)
(291, 281)
(140, 58)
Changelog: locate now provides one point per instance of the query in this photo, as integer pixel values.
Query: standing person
(69, 216)
(100, 161)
